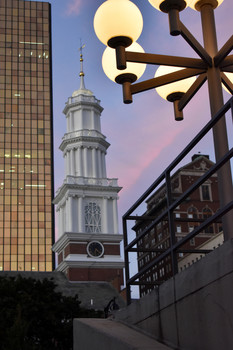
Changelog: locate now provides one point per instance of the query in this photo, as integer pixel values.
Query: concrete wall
(194, 310)
(99, 334)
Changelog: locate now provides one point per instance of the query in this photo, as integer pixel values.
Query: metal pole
(128, 291)
(219, 131)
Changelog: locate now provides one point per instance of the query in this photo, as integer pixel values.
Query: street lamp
(118, 24)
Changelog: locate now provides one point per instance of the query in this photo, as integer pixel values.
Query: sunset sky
(144, 136)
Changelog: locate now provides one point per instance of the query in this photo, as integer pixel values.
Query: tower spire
(81, 74)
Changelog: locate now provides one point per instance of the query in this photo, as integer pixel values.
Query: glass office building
(26, 154)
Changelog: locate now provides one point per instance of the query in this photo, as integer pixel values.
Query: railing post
(128, 292)
(171, 225)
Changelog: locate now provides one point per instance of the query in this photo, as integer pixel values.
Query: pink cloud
(74, 7)
(143, 143)
(148, 152)
(141, 135)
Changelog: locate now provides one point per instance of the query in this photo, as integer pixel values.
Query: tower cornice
(81, 100)
(84, 140)
(78, 186)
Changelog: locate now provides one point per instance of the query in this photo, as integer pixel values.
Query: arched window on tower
(92, 218)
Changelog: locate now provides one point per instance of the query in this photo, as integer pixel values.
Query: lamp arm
(228, 69)
(196, 46)
(224, 51)
(227, 62)
(192, 91)
(227, 82)
(165, 60)
(164, 79)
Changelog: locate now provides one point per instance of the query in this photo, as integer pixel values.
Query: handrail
(175, 247)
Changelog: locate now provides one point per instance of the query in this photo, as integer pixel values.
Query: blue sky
(144, 136)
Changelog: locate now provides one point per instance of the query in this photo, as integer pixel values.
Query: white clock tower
(88, 244)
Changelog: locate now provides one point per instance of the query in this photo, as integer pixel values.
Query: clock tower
(88, 243)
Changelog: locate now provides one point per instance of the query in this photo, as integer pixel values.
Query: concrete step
(107, 334)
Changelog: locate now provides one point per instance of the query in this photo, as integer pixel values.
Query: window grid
(26, 227)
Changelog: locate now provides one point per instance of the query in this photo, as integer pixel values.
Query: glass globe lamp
(180, 86)
(110, 68)
(118, 18)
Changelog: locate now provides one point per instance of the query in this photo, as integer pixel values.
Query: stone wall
(192, 311)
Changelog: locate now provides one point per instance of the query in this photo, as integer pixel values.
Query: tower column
(103, 165)
(105, 215)
(67, 123)
(71, 121)
(99, 160)
(60, 221)
(69, 214)
(79, 169)
(68, 162)
(72, 162)
(85, 162)
(115, 216)
(94, 163)
(81, 214)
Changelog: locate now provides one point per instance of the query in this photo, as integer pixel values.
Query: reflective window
(25, 137)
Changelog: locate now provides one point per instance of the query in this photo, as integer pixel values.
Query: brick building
(201, 204)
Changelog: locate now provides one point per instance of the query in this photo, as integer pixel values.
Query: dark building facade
(201, 204)
(26, 154)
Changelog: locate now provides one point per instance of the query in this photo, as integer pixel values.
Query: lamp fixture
(126, 77)
(118, 23)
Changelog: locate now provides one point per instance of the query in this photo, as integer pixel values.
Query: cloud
(142, 135)
(74, 7)
(145, 137)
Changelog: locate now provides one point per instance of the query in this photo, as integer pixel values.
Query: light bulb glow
(178, 86)
(109, 63)
(156, 3)
(118, 18)
(230, 77)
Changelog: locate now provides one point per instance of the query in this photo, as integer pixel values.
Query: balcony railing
(175, 247)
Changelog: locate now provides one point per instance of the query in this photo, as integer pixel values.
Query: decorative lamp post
(118, 23)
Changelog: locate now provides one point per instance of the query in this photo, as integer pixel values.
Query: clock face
(95, 249)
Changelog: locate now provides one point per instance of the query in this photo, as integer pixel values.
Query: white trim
(90, 263)
(71, 237)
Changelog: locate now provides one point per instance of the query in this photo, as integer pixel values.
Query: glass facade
(26, 154)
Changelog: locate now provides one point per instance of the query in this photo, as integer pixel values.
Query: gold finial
(81, 74)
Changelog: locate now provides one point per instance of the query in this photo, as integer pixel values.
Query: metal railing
(165, 178)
